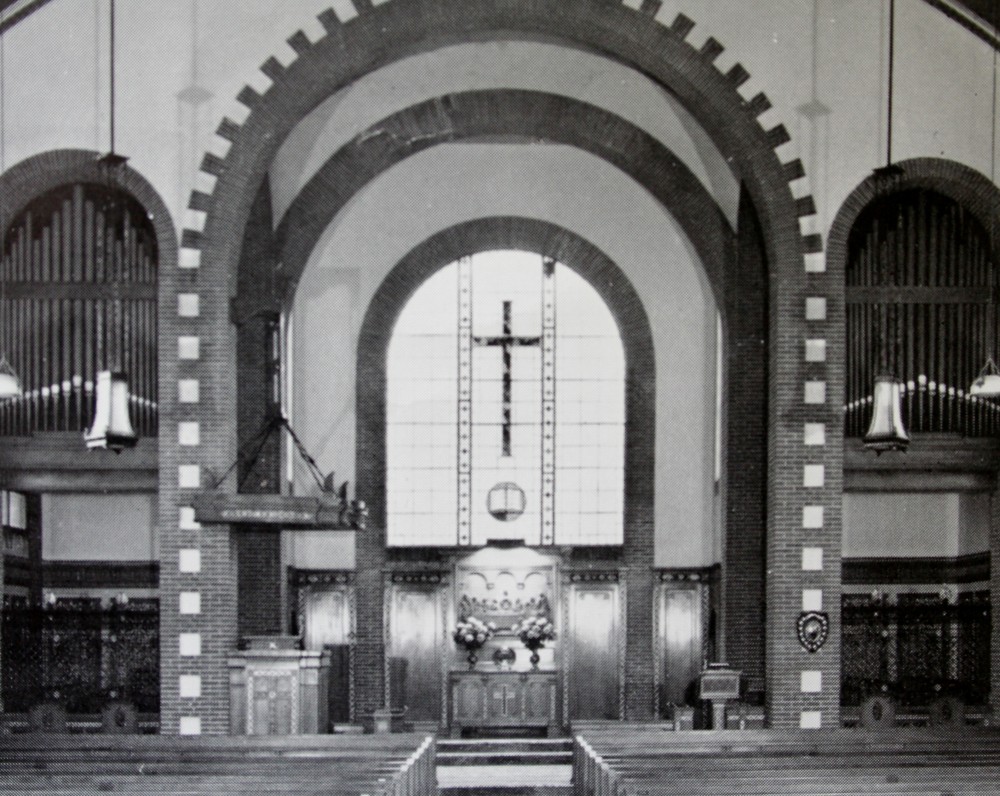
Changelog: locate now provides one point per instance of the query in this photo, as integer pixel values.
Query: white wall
(907, 524)
(459, 182)
(98, 528)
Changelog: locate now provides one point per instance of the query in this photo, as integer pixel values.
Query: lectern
(276, 688)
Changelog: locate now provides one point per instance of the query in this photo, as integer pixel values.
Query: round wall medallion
(813, 628)
(505, 501)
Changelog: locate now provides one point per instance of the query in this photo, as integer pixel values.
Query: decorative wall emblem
(813, 628)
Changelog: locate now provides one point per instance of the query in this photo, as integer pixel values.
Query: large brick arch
(366, 36)
(508, 112)
(388, 31)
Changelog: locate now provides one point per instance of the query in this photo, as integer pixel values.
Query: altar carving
(505, 591)
(503, 611)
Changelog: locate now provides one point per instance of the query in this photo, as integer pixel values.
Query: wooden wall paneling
(594, 640)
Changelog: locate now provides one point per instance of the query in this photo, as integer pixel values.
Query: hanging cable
(987, 383)
(10, 385)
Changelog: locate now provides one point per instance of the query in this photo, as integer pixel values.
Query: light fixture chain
(891, 70)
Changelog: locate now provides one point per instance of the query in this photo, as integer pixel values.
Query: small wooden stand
(275, 688)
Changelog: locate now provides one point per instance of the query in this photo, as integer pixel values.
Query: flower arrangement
(534, 631)
(471, 633)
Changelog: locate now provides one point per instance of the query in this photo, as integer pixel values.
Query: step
(503, 757)
(507, 790)
(505, 751)
(505, 780)
(481, 745)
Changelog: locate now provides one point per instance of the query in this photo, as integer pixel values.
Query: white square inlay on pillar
(190, 602)
(812, 599)
(189, 258)
(815, 350)
(188, 347)
(815, 392)
(186, 520)
(189, 561)
(188, 305)
(812, 516)
(812, 559)
(811, 682)
(188, 476)
(814, 434)
(188, 391)
(815, 263)
(190, 725)
(813, 475)
(190, 686)
(815, 308)
(188, 433)
(190, 644)
(810, 720)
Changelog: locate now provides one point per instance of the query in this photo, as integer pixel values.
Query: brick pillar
(744, 498)
(640, 453)
(995, 600)
(369, 551)
(197, 443)
(805, 475)
(262, 608)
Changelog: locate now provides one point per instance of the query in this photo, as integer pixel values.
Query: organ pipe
(931, 308)
(65, 261)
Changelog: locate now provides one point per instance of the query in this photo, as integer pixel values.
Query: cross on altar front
(507, 341)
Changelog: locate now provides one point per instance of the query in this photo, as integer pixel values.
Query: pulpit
(484, 700)
(275, 688)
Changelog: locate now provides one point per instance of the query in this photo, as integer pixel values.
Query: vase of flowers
(534, 631)
(470, 634)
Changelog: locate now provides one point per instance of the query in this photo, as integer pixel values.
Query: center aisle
(506, 767)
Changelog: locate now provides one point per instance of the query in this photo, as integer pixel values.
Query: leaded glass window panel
(505, 408)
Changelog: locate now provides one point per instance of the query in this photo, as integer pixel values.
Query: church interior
(476, 366)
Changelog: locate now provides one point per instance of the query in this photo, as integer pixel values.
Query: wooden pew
(623, 763)
(391, 765)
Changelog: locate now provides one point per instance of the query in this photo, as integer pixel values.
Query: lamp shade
(886, 431)
(987, 383)
(112, 428)
(10, 386)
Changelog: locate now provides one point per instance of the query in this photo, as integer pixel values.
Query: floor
(507, 776)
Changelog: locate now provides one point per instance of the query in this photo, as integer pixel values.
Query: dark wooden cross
(507, 341)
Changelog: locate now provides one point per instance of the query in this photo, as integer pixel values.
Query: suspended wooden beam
(280, 512)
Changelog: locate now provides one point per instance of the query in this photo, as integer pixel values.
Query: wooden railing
(592, 776)
(417, 776)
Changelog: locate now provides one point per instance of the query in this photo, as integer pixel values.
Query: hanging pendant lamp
(10, 385)
(886, 431)
(112, 428)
